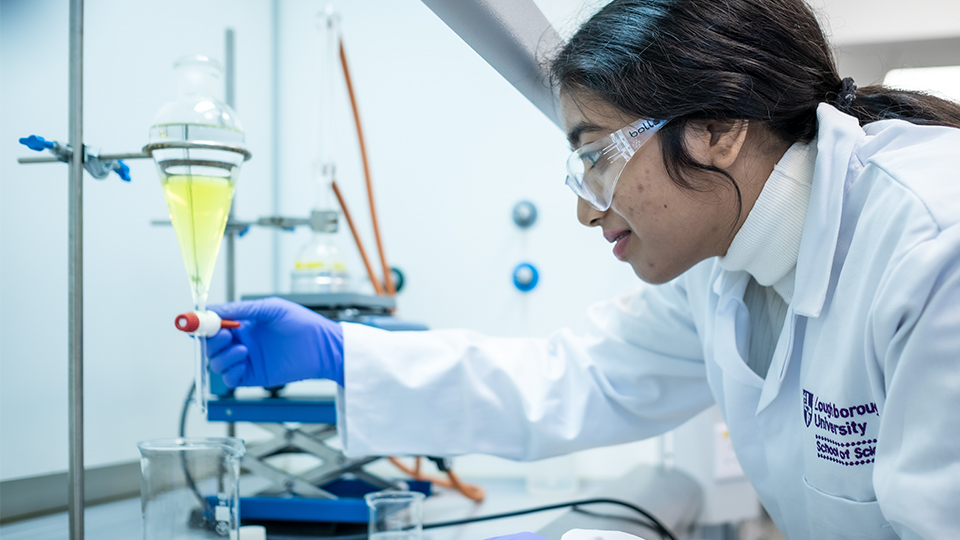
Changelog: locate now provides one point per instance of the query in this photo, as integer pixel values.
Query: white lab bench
(668, 494)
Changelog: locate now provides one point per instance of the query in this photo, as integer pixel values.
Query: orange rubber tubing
(356, 238)
(470, 491)
(387, 274)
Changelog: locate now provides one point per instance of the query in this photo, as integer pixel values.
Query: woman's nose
(587, 214)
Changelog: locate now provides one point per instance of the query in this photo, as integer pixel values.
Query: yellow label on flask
(300, 265)
(315, 265)
(199, 208)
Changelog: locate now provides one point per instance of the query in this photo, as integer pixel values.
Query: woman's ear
(716, 142)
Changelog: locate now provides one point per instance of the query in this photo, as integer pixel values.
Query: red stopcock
(202, 323)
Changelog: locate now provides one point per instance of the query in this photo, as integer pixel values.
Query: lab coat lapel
(838, 138)
(788, 345)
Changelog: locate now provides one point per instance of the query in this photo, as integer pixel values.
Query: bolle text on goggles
(593, 169)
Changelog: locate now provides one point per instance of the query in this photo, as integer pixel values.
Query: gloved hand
(278, 342)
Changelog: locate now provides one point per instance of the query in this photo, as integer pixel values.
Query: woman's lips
(620, 247)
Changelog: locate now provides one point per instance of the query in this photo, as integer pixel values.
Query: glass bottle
(320, 266)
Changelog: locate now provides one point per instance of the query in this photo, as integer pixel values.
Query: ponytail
(873, 103)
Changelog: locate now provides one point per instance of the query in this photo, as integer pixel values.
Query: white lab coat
(854, 433)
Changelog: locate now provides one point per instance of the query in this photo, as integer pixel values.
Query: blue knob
(36, 142)
(398, 278)
(525, 277)
(123, 170)
(524, 214)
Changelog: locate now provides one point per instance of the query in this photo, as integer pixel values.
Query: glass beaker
(190, 488)
(395, 515)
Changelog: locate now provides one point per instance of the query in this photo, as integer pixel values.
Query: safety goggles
(593, 169)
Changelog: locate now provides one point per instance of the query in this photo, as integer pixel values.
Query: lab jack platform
(330, 492)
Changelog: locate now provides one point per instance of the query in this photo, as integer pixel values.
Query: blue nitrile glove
(278, 342)
(519, 536)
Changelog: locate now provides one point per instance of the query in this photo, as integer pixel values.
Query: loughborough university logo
(807, 407)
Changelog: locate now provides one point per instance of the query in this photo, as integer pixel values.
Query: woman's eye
(595, 161)
(590, 159)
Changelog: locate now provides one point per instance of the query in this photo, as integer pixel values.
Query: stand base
(348, 508)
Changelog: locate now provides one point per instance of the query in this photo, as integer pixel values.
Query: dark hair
(756, 60)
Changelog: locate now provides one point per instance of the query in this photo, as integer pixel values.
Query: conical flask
(197, 144)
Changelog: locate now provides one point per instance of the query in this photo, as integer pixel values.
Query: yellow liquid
(199, 208)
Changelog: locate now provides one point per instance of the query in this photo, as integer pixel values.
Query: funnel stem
(200, 363)
(200, 373)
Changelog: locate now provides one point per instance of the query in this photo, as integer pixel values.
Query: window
(940, 81)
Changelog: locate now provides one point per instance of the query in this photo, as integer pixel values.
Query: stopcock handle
(202, 323)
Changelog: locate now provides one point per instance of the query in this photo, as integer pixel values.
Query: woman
(805, 237)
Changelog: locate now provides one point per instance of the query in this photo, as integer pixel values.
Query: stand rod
(103, 157)
(231, 240)
(75, 502)
(231, 234)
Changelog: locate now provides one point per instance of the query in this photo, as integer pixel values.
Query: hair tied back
(848, 91)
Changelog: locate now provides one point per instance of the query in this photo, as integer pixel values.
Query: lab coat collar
(839, 137)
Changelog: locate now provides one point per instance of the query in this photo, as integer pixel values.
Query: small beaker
(190, 488)
(395, 515)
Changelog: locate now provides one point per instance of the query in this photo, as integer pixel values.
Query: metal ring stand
(197, 145)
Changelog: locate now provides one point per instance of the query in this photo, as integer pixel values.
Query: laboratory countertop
(120, 520)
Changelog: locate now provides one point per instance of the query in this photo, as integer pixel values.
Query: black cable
(653, 524)
(640, 522)
(183, 411)
(362, 536)
(206, 508)
(656, 524)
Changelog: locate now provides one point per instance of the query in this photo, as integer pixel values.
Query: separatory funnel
(197, 144)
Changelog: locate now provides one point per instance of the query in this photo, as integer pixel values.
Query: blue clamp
(36, 142)
(91, 159)
(99, 169)
(122, 170)
(525, 277)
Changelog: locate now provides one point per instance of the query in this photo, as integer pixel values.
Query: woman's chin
(651, 272)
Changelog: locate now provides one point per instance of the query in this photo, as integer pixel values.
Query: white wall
(866, 21)
(453, 147)
(136, 366)
(845, 21)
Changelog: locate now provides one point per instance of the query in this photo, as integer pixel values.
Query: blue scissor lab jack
(333, 490)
